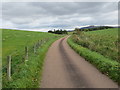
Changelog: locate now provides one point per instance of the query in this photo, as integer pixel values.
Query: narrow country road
(64, 68)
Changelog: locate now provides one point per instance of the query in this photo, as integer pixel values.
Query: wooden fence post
(26, 53)
(35, 49)
(9, 67)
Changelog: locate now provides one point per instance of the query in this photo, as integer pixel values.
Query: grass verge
(109, 67)
(28, 74)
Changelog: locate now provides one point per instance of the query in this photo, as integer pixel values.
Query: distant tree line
(58, 31)
(93, 29)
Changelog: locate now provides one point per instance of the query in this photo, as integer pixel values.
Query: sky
(44, 16)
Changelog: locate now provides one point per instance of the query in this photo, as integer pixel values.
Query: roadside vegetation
(99, 48)
(103, 41)
(25, 73)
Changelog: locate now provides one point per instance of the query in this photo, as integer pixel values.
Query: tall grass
(104, 42)
(99, 48)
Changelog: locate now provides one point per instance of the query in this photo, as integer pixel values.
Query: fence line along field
(100, 48)
(25, 51)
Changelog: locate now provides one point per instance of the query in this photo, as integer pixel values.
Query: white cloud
(50, 15)
(61, 1)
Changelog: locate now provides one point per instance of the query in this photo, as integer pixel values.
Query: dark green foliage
(93, 28)
(58, 31)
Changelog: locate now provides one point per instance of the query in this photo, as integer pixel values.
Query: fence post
(26, 53)
(35, 49)
(9, 67)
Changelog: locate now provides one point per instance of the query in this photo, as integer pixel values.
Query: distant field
(104, 42)
(100, 48)
(24, 74)
(15, 40)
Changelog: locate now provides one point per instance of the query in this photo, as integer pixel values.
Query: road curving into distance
(64, 68)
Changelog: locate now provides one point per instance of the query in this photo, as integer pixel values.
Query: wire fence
(17, 58)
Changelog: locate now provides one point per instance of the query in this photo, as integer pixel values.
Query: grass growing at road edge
(25, 74)
(29, 75)
(105, 65)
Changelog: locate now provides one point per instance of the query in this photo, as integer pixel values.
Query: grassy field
(100, 48)
(104, 42)
(24, 74)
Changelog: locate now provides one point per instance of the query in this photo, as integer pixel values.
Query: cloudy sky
(44, 16)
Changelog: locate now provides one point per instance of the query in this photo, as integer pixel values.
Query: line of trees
(93, 29)
(58, 31)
